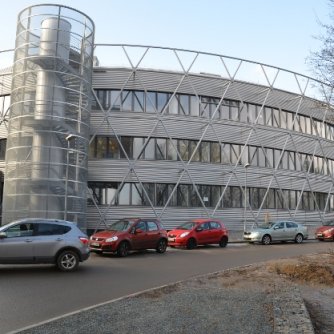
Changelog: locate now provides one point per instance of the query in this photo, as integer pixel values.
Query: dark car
(37, 240)
(130, 234)
(325, 232)
(198, 232)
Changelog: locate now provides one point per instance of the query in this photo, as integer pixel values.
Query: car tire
(123, 249)
(266, 239)
(191, 243)
(299, 238)
(162, 246)
(223, 242)
(67, 261)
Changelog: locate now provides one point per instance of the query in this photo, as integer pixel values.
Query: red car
(130, 234)
(325, 232)
(198, 232)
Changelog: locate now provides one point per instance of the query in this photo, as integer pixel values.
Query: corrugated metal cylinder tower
(47, 146)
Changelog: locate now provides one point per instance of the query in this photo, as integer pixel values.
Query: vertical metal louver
(46, 156)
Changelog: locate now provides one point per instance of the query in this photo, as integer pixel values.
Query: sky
(281, 33)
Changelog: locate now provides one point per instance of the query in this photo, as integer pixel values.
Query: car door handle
(28, 240)
(59, 239)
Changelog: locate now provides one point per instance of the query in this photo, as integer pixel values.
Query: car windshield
(187, 226)
(331, 223)
(267, 225)
(121, 225)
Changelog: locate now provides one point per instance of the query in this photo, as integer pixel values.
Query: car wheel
(299, 238)
(68, 261)
(266, 240)
(223, 242)
(162, 245)
(123, 249)
(191, 244)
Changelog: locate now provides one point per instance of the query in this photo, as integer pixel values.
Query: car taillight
(84, 240)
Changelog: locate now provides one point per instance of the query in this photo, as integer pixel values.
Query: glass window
(184, 149)
(236, 197)
(225, 110)
(253, 155)
(305, 200)
(205, 192)
(151, 102)
(115, 99)
(308, 126)
(150, 149)
(124, 195)
(292, 159)
(215, 195)
(162, 194)
(138, 101)
(137, 195)
(138, 147)
(141, 226)
(194, 151)
(227, 198)
(234, 110)
(3, 143)
(162, 99)
(205, 151)
(150, 193)
(226, 153)
(252, 113)
(268, 116)
(254, 198)
(235, 153)
(184, 104)
(172, 193)
(214, 226)
(101, 147)
(261, 117)
(20, 230)
(270, 157)
(261, 157)
(127, 143)
(283, 119)
(270, 199)
(161, 147)
(183, 195)
(289, 120)
(302, 123)
(243, 113)
(113, 148)
(194, 106)
(215, 152)
(194, 199)
(244, 155)
(293, 199)
(152, 226)
(276, 118)
(205, 107)
(297, 123)
(127, 100)
(171, 149)
(173, 105)
(215, 111)
(285, 160)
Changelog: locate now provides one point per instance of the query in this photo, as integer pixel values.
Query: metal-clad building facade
(181, 134)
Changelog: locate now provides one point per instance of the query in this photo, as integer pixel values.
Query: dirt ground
(312, 274)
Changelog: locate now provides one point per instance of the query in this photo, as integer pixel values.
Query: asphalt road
(32, 294)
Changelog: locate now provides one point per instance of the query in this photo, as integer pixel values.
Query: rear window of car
(51, 229)
(215, 225)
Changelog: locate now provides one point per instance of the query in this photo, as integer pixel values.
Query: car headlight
(255, 234)
(112, 239)
(184, 234)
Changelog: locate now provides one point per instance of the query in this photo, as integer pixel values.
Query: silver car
(30, 241)
(277, 231)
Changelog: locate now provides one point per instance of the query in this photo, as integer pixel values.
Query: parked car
(277, 231)
(30, 241)
(199, 232)
(325, 232)
(130, 234)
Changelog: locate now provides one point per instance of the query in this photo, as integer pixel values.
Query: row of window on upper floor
(186, 195)
(203, 106)
(102, 147)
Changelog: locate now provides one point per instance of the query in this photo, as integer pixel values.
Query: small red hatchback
(199, 232)
(325, 232)
(130, 234)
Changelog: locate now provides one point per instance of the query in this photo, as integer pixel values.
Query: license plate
(171, 239)
(95, 244)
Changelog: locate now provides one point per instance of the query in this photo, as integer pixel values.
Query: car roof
(204, 220)
(39, 220)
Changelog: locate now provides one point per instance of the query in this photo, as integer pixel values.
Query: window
(194, 106)
(138, 101)
(152, 226)
(291, 225)
(127, 143)
(214, 225)
(195, 151)
(205, 151)
(162, 99)
(184, 104)
(183, 195)
(141, 226)
(51, 229)
(3, 143)
(184, 149)
(160, 149)
(20, 230)
(215, 152)
(150, 102)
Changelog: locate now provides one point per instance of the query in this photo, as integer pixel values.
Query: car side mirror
(138, 231)
(3, 235)
(199, 229)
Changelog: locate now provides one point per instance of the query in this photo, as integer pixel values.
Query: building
(179, 134)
